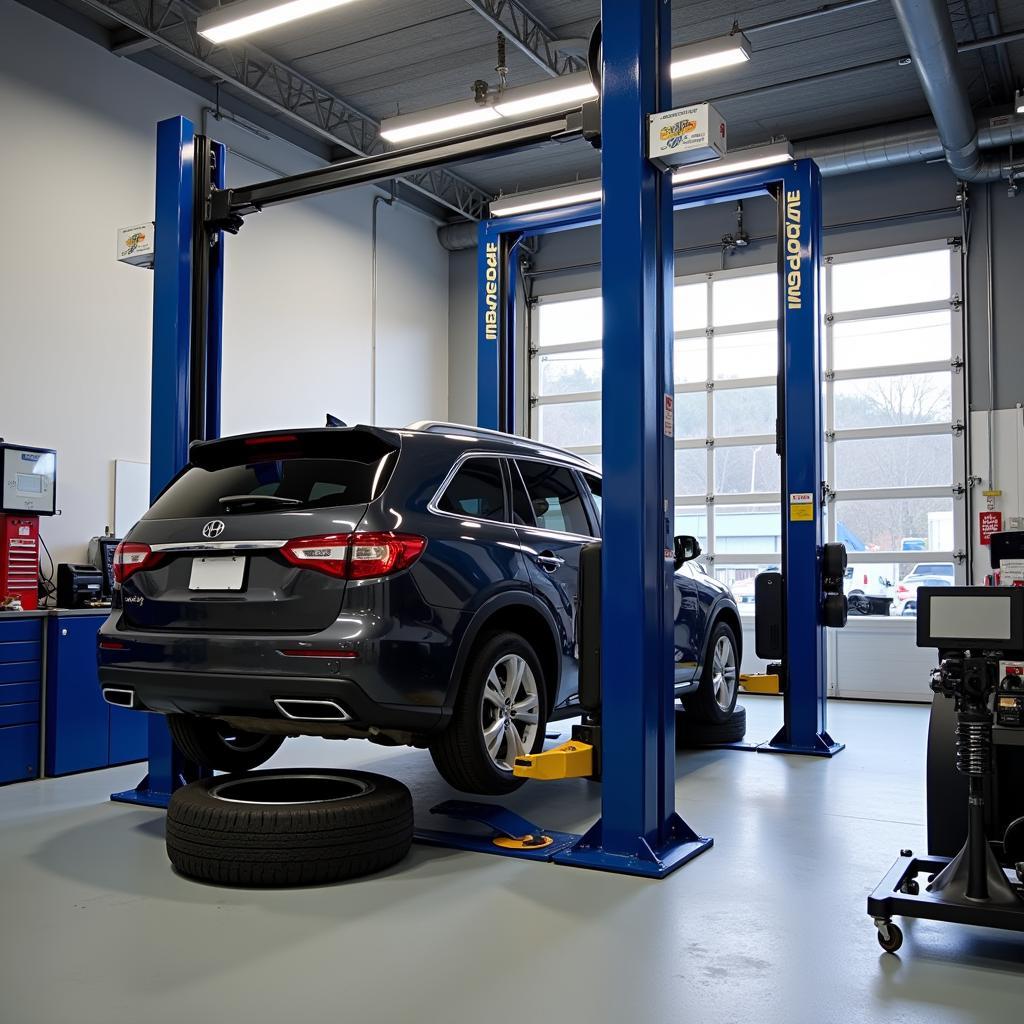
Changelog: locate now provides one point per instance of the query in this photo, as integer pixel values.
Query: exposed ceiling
(383, 57)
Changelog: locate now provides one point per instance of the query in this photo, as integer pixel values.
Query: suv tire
(694, 733)
(215, 744)
(284, 828)
(502, 705)
(715, 698)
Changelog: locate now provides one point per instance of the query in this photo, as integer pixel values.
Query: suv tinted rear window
(476, 490)
(306, 483)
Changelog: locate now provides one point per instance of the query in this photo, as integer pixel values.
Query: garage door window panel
(892, 402)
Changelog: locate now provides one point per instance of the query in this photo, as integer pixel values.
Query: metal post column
(802, 448)
(187, 313)
(496, 328)
(639, 831)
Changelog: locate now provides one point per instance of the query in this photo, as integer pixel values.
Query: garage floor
(768, 926)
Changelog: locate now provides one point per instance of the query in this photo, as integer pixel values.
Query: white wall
(78, 148)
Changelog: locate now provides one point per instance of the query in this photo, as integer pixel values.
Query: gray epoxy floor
(768, 926)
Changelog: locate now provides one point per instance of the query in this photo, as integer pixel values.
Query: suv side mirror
(686, 549)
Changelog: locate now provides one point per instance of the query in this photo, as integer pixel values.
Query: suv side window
(555, 498)
(594, 484)
(476, 490)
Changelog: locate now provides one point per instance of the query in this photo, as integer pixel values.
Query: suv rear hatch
(218, 550)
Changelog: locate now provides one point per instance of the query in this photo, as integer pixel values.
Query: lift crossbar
(228, 206)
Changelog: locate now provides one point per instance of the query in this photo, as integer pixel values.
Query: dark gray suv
(411, 586)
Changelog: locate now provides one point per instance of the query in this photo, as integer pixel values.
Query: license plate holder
(224, 573)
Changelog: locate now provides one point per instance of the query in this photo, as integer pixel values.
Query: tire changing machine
(639, 831)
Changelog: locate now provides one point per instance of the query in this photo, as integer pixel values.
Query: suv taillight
(355, 556)
(131, 557)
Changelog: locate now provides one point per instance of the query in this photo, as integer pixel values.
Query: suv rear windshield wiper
(256, 499)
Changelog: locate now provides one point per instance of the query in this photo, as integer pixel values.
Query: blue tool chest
(21, 662)
(82, 730)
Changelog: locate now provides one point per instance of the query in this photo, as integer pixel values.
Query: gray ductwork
(870, 149)
(929, 35)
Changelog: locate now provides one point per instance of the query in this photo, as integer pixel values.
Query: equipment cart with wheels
(979, 632)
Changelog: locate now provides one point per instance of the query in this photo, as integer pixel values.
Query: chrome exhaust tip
(119, 698)
(300, 710)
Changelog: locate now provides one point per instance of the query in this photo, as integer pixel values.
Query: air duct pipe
(929, 35)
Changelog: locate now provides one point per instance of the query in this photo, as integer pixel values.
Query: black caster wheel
(894, 941)
(912, 887)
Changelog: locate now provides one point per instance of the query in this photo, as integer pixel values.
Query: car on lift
(414, 586)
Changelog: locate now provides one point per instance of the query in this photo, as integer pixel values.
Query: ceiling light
(547, 199)
(1018, 103)
(709, 55)
(737, 161)
(437, 121)
(233, 21)
(577, 88)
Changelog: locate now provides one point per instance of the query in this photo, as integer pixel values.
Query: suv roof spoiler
(306, 442)
(441, 427)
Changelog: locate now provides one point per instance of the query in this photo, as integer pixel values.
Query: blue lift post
(796, 187)
(187, 311)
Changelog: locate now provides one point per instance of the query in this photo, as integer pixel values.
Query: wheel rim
(723, 673)
(290, 788)
(509, 711)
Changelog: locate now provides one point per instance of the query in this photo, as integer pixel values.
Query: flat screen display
(29, 480)
(981, 617)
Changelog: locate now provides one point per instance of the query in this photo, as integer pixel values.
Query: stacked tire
(288, 828)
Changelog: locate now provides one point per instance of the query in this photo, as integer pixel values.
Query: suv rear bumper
(242, 695)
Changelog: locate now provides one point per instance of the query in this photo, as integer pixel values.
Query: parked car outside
(869, 591)
(906, 592)
(412, 586)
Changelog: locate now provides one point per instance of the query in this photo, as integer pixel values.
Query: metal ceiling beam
(529, 34)
(287, 92)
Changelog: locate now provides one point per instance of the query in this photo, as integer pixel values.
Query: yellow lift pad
(760, 684)
(570, 760)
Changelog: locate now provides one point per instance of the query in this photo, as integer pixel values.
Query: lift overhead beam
(227, 205)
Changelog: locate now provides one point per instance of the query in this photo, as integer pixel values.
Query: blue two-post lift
(639, 831)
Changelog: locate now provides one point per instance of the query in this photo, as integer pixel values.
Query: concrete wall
(79, 134)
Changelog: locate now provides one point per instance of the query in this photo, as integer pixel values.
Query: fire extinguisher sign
(989, 523)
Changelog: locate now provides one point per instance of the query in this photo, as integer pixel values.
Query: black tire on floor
(460, 752)
(692, 732)
(273, 829)
(217, 745)
(703, 703)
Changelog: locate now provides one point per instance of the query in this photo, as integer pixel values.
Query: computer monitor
(971, 617)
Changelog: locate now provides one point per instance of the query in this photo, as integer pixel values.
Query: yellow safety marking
(803, 512)
(523, 842)
(760, 683)
(571, 760)
(992, 494)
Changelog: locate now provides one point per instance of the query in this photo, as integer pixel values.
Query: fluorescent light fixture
(736, 161)
(564, 92)
(1018, 103)
(232, 21)
(547, 198)
(709, 55)
(437, 121)
(570, 89)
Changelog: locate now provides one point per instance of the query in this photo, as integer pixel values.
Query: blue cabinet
(21, 655)
(82, 730)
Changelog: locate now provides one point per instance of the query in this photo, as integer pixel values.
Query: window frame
(708, 501)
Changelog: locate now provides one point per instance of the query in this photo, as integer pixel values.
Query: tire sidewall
(703, 703)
